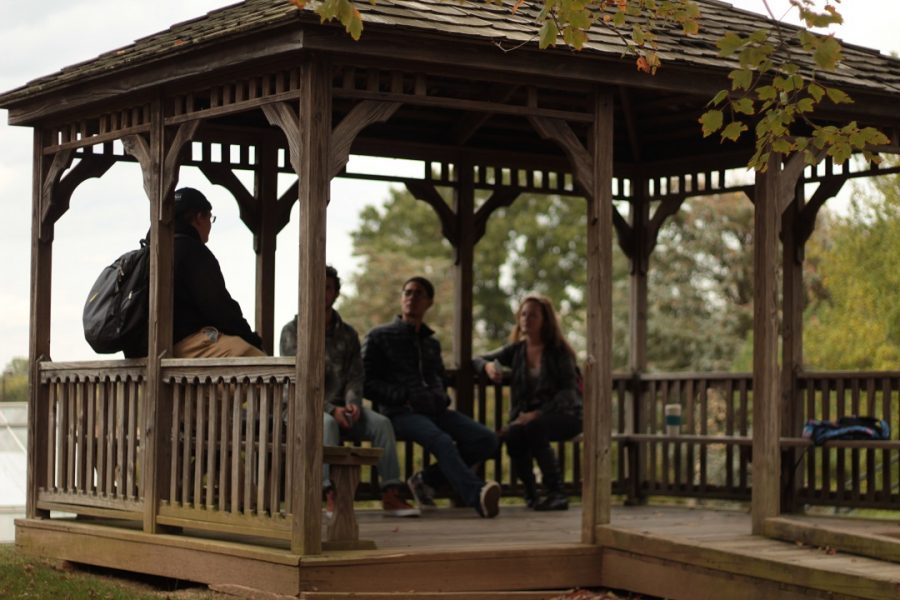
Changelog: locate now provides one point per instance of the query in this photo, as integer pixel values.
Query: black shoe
(421, 492)
(553, 501)
(531, 499)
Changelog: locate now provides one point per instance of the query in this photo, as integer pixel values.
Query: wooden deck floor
(669, 552)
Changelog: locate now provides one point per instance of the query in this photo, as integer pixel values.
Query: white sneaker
(489, 500)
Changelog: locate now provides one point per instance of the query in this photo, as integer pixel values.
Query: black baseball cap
(190, 200)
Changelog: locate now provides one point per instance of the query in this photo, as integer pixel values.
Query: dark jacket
(556, 389)
(400, 364)
(201, 299)
(343, 363)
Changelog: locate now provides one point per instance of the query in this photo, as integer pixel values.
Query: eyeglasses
(212, 218)
(415, 293)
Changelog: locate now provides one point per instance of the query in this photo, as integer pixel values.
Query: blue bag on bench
(847, 428)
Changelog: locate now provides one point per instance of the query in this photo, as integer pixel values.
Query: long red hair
(551, 333)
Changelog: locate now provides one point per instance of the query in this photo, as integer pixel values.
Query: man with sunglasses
(405, 380)
(207, 321)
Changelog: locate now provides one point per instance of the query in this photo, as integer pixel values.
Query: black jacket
(556, 390)
(201, 299)
(400, 363)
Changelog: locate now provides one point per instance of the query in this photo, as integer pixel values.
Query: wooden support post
(157, 408)
(766, 396)
(637, 349)
(39, 336)
(598, 370)
(345, 462)
(264, 242)
(311, 162)
(791, 344)
(464, 207)
(159, 166)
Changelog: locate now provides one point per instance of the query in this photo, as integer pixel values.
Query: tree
(701, 286)
(401, 239)
(775, 88)
(700, 295)
(853, 323)
(14, 381)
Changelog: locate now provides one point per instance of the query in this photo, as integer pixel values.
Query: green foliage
(699, 286)
(400, 240)
(770, 82)
(853, 318)
(14, 381)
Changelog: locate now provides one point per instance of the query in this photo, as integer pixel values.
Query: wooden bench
(342, 532)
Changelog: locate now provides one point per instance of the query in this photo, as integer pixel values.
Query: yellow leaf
(733, 131)
(711, 121)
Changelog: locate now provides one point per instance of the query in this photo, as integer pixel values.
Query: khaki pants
(211, 344)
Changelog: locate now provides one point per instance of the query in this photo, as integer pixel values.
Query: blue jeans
(375, 428)
(457, 442)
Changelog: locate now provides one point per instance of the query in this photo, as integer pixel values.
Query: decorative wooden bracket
(137, 145)
(59, 164)
(500, 198)
(283, 116)
(624, 234)
(361, 116)
(284, 206)
(427, 192)
(638, 248)
(805, 222)
(666, 209)
(59, 194)
(223, 175)
(560, 132)
(787, 179)
(184, 134)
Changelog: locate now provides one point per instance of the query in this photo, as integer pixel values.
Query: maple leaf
(643, 65)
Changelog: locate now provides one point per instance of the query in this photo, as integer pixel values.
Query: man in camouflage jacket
(344, 411)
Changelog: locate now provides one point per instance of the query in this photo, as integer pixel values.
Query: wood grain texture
(312, 144)
(766, 382)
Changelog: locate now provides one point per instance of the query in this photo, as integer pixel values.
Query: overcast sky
(109, 216)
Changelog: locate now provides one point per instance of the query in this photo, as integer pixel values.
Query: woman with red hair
(546, 400)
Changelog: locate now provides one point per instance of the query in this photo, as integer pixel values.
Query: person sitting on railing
(207, 322)
(405, 380)
(546, 399)
(344, 410)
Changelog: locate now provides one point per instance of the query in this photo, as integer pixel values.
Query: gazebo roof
(451, 66)
(460, 21)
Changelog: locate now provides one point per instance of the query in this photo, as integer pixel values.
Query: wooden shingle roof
(463, 21)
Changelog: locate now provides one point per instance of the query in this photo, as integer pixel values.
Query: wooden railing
(850, 474)
(708, 457)
(90, 442)
(227, 468)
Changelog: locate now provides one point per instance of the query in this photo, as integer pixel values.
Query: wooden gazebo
(174, 467)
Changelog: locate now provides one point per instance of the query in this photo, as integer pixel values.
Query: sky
(109, 216)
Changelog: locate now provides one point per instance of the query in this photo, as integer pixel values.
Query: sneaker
(329, 503)
(489, 500)
(393, 504)
(421, 492)
(552, 501)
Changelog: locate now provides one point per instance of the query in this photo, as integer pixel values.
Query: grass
(23, 577)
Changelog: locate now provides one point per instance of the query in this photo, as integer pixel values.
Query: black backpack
(847, 428)
(116, 312)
